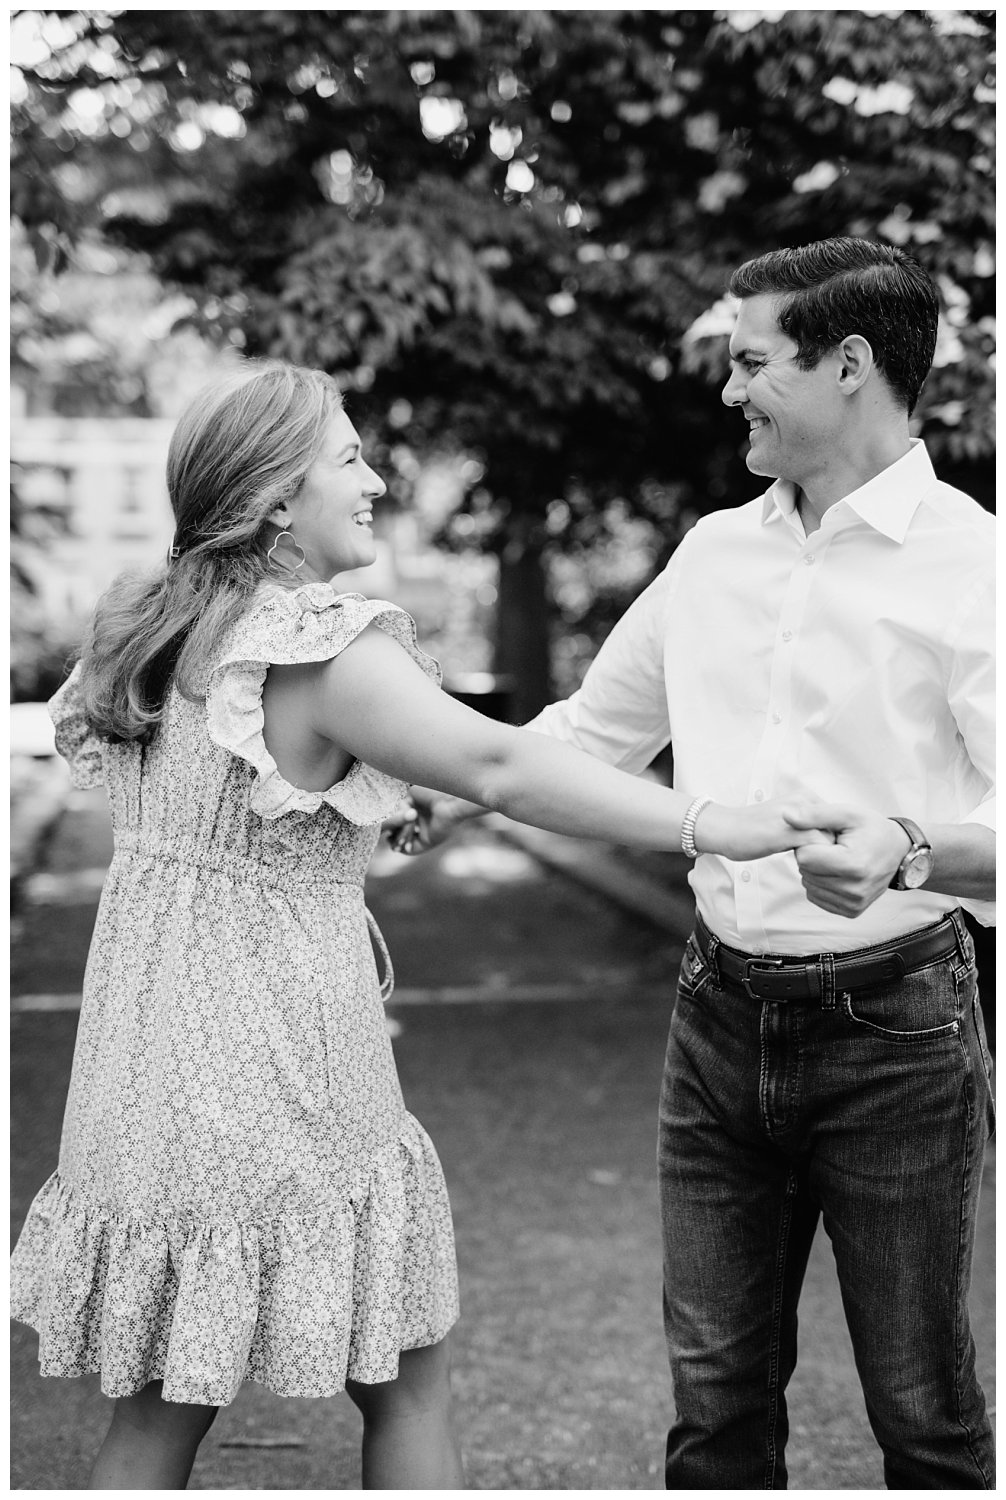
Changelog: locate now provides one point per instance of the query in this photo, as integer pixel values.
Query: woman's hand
(763, 828)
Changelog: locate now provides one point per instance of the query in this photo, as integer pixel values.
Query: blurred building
(91, 494)
(98, 485)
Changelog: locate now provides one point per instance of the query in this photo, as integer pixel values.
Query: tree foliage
(510, 220)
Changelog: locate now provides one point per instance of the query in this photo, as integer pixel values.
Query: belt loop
(826, 978)
(828, 981)
(963, 936)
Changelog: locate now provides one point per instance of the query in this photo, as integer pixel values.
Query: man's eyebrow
(740, 354)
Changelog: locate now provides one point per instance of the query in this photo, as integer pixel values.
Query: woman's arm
(374, 702)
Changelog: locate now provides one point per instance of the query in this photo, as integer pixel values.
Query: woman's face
(331, 516)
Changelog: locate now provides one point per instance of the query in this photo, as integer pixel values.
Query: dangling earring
(294, 543)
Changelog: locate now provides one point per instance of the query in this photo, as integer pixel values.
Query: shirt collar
(779, 500)
(887, 502)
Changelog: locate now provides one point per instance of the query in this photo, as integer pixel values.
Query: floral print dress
(241, 1193)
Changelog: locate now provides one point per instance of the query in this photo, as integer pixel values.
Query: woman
(241, 1193)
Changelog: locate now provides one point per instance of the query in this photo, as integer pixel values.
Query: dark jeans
(871, 1110)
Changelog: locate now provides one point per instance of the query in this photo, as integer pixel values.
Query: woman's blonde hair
(241, 448)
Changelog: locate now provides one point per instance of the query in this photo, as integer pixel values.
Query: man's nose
(733, 393)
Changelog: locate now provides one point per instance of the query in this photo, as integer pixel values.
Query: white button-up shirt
(855, 665)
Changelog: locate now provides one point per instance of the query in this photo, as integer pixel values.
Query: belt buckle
(759, 966)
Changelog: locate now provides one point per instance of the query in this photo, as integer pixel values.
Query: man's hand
(425, 820)
(400, 828)
(847, 876)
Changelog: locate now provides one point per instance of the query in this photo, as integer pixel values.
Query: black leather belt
(767, 977)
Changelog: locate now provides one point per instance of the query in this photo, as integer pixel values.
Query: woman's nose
(375, 484)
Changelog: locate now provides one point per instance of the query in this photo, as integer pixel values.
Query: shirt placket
(779, 731)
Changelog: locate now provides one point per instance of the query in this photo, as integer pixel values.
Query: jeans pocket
(921, 1007)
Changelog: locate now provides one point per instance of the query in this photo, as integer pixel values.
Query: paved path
(530, 1018)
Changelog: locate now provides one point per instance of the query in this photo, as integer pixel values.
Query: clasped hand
(846, 858)
(846, 871)
(421, 823)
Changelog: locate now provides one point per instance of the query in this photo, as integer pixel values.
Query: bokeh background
(507, 233)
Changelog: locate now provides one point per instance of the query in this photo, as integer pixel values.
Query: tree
(505, 223)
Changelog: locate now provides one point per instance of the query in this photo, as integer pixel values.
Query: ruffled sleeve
(312, 623)
(76, 741)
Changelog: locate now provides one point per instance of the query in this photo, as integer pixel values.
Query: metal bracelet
(688, 826)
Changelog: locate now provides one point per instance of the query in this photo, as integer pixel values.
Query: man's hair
(834, 288)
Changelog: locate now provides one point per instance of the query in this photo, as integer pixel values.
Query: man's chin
(759, 464)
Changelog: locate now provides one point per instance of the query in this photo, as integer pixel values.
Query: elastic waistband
(245, 869)
(815, 977)
(241, 867)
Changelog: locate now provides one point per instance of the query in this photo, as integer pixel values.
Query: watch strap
(918, 838)
(918, 842)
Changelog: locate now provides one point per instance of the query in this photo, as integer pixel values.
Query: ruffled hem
(298, 1304)
(76, 741)
(312, 623)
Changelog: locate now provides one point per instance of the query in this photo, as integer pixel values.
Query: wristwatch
(917, 865)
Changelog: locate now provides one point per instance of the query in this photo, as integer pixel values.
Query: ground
(543, 1111)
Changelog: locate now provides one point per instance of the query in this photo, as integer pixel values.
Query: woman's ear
(281, 517)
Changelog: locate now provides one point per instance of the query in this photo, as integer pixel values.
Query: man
(826, 1057)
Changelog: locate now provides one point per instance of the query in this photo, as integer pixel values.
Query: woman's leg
(151, 1444)
(408, 1431)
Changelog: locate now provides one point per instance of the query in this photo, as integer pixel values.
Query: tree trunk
(522, 652)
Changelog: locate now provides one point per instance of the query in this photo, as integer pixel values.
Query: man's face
(794, 415)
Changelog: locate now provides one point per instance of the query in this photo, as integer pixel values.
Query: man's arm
(618, 714)
(847, 876)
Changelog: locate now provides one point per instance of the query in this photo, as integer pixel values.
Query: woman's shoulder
(314, 622)
(76, 741)
(285, 627)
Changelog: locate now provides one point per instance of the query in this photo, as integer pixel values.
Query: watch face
(917, 870)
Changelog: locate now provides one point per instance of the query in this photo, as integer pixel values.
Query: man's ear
(855, 362)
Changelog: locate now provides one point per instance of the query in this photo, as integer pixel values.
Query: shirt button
(759, 795)
(745, 875)
(787, 635)
(809, 560)
(777, 718)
